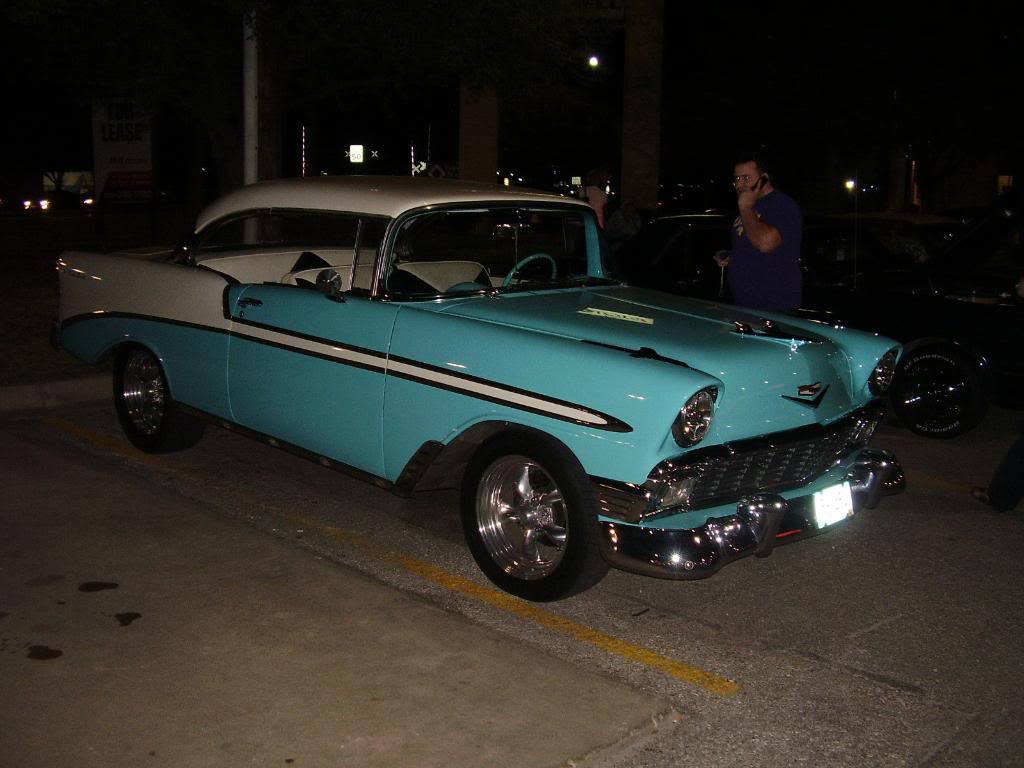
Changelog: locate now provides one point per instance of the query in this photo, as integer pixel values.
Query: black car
(952, 301)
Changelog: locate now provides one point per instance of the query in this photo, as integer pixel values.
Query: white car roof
(376, 195)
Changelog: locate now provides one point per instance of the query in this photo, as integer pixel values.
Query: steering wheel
(523, 262)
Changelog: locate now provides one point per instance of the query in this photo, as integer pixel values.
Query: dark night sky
(822, 93)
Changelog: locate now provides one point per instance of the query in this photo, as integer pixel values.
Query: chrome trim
(875, 473)
(760, 523)
(773, 330)
(633, 503)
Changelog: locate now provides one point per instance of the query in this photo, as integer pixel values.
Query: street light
(851, 187)
(594, 62)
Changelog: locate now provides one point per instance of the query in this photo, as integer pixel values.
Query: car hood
(773, 376)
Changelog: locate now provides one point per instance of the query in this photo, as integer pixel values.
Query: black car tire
(938, 390)
(560, 507)
(150, 418)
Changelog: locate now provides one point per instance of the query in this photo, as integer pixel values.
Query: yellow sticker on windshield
(617, 316)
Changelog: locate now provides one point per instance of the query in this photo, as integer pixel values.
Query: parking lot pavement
(151, 632)
(52, 394)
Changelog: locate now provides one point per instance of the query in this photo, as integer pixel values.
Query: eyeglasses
(743, 177)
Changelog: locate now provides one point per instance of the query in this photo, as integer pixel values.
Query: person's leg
(1007, 486)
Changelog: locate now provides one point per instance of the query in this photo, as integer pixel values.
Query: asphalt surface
(267, 610)
(146, 631)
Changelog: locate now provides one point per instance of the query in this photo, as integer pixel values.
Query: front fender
(612, 410)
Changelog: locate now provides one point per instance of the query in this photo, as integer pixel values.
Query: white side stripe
(491, 392)
(319, 347)
(498, 393)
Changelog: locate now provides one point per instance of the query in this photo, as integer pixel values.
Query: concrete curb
(53, 394)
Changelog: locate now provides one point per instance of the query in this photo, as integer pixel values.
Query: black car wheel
(938, 391)
(149, 417)
(530, 518)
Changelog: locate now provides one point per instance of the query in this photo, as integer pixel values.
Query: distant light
(506, 181)
(88, 201)
(594, 62)
(577, 180)
(851, 184)
(44, 204)
(27, 204)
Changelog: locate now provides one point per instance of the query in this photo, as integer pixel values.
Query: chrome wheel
(521, 517)
(143, 392)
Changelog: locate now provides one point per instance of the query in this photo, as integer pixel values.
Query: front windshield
(494, 249)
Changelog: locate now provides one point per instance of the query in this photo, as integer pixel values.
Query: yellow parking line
(686, 673)
(107, 443)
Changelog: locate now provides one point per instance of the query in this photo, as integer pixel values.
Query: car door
(309, 370)
(305, 366)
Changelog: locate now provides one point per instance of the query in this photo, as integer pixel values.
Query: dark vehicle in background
(948, 295)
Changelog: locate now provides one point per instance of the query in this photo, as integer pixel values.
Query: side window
(313, 230)
(256, 230)
(290, 247)
(281, 229)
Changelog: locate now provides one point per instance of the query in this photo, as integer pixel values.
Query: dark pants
(1007, 486)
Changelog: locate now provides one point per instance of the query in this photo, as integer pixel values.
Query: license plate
(832, 504)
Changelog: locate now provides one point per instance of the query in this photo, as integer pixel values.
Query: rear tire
(150, 418)
(529, 516)
(938, 391)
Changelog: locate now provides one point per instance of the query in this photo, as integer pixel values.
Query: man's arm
(762, 235)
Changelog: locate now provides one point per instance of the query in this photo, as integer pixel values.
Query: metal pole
(856, 224)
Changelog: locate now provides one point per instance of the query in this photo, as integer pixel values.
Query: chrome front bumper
(760, 522)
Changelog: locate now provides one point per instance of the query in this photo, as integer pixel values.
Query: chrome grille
(774, 463)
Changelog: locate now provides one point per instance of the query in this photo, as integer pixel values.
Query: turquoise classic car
(420, 334)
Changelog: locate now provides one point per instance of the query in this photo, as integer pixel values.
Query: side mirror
(329, 282)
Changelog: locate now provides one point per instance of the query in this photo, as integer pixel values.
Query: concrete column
(478, 134)
(250, 103)
(641, 102)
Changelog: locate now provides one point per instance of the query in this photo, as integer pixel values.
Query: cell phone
(761, 181)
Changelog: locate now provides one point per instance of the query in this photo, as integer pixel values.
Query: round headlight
(694, 419)
(881, 378)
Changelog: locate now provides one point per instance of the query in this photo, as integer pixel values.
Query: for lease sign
(122, 148)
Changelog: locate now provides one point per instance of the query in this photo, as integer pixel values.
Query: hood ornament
(810, 395)
(771, 329)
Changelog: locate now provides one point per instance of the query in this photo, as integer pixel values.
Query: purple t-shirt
(768, 280)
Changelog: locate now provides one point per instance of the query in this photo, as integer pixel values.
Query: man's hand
(722, 258)
(745, 199)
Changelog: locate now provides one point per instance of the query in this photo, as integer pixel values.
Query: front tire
(530, 518)
(150, 418)
(938, 391)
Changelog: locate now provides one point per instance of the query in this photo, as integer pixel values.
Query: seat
(442, 275)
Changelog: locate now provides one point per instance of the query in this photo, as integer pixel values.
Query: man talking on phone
(764, 260)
